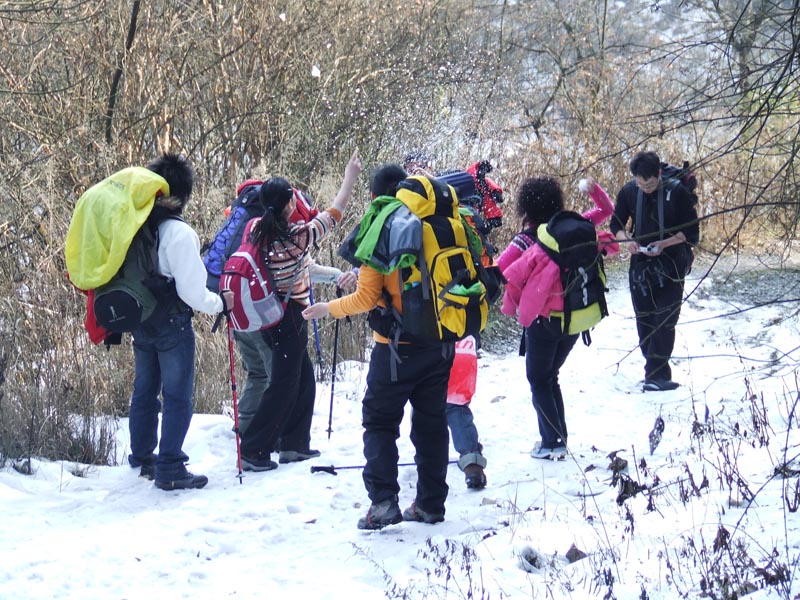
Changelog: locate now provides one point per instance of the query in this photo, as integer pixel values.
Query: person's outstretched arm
(351, 173)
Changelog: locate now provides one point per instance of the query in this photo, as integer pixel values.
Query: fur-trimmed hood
(171, 203)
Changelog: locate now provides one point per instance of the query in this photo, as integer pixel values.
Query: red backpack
(256, 303)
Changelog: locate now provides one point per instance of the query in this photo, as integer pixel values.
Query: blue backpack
(227, 239)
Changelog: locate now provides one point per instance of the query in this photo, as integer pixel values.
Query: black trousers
(287, 405)
(656, 294)
(421, 380)
(546, 350)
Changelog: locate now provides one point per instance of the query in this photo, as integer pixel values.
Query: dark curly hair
(538, 199)
(645, 165)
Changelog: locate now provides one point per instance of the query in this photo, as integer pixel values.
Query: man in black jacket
(658, 221)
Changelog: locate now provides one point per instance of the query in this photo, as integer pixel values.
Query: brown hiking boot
(415, 513)
(381, 514)
(475, 477)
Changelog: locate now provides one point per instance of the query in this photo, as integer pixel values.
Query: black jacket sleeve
(623, 208)
(685, 215)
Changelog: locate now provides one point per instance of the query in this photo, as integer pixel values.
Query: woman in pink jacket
(534, 290)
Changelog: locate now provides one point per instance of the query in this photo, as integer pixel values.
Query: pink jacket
(534, 282)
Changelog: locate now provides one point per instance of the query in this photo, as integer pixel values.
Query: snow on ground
(109, 534)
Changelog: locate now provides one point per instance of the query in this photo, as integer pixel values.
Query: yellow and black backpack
(443, 297)
(570, 240)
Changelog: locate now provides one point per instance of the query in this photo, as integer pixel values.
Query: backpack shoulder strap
(637, 225)
(152, 224)
(639, 217)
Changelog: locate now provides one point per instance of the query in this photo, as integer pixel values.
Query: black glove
(223, 313)
(484, 167)
(495, 222)
(225, 310)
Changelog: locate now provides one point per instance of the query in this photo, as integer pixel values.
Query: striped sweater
(288, 258)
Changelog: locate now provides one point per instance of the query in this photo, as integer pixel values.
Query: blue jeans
(164, 366)
(546, 349)
(257, 362)
(464, 435)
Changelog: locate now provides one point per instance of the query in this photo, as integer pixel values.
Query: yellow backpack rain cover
(106, 218)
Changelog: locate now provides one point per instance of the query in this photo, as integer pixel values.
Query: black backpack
(674, 176)
(570, 240)
(137, 295)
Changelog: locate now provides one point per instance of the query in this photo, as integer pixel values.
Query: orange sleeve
(368, 293)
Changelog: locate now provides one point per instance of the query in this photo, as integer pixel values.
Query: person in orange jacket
(421, 379)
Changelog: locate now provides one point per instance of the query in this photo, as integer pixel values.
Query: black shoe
(659, 385)
(290, 456)
(415, 513)
(475, 477)
(258, 464)
(380, 515)
(188, 481)
(148, 472)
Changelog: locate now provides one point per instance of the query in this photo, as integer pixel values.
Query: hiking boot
(381, 514)
(253, 463)
(187, 481)
(148, 472)
(290, 456)
(415, 513)
(557, 453)
(475, 477)
(659, 385)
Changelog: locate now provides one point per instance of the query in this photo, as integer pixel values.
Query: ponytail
(275, 194)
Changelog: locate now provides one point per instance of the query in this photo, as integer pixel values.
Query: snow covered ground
(703, 507)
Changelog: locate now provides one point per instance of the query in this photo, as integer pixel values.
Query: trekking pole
(317, 345)
(333, 367)
(332, 470)
(235, 401)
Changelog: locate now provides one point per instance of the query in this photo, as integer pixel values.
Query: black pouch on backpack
(137, 295)
(125, 302)
(419, 316)
(120, 309)
(124, 305)
(493, 280)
